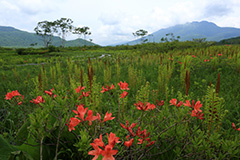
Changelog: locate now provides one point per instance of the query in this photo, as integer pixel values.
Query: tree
(171, 38)
(199, 40)
(82, 31)
(64, 25)
(85, 33)
(45, 29)
(141, 33)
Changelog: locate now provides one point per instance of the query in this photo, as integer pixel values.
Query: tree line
(61, 27)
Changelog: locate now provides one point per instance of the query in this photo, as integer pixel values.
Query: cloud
(113, 22)
(217, 10)
(110, 18)
(29, 7)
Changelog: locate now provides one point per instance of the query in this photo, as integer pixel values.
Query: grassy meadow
(182, 99)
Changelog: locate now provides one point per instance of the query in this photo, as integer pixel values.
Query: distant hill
(11, 37)
(195, 30)
(235, 40)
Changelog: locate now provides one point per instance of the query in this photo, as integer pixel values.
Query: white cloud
(113, 21)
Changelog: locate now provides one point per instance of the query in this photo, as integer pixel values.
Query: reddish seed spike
(218, 84)
(81, 77)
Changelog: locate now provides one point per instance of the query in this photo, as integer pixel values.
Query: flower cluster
(123, 86)
(174, 102)
(196, 112)
(107, 88)
(16, 94)
(84, 94)
(144, 106)
(38, 100)
(80, 113)
(105, 150)
(143, 135)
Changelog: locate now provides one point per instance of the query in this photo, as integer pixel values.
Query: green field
(167, 72)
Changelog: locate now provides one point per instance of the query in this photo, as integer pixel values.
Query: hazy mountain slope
(192, 30)
(11, 37)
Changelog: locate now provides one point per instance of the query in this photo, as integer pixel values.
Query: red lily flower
(99, 117)
(123, 86)
(124, 94)
(199, 115)
(73, 123)
(160, 104)
(12, 94)
(80, 111)
(96, 152)
(38, 100)
(85, 94)
(188, 104)
(99, 141)
(78, 89)
(144, 107)
(179, 62)
(129, 128)
(198, 106)
(129, 142)
(108, 117)
(174, 102)
(90, 117)
(206, 60)
(49, 92)
(234, 127)
(150, 143)
(107, 88)
(112, 139)
(143, 137)
(9, 96)
(138, 132)
(150, 106)
(15, 93)
(108, 153)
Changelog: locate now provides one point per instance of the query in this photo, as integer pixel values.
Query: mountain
(11, 37)
(195, 30)
(235, 40)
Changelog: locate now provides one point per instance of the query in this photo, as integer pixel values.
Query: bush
(52, 48)
(25, 51)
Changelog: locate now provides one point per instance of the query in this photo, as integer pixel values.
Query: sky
(114, 21)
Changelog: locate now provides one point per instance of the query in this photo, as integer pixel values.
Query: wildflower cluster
(80, 113)
(16, 94)
(196, 112)
(143, 135)
(105, 150)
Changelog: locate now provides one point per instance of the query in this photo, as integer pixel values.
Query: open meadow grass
(132, 102)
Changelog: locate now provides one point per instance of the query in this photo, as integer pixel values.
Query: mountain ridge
(12, 37)
(191, 30)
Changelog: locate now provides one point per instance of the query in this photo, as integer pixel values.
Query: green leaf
(32, 148)
(5, 148)
(20, 155)
(22, 134)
